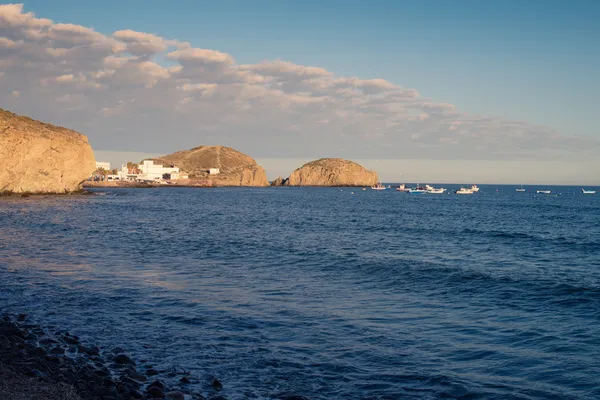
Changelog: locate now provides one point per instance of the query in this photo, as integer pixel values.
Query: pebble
(155, 392)
(175, 395)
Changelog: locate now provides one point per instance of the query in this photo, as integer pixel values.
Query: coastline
(51, 364)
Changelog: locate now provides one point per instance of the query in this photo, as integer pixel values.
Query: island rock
(217, 165)
(279, 182)
(332, 172)
(36, 157)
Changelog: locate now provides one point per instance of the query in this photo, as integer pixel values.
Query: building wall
(151, 171)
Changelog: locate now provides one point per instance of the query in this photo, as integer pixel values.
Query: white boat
(436, 190)
(474, 188)
(402, 188)
(521, 189)
(418, 189)
(379, 186)
(543, 191)
(587, 191)
(464, 191)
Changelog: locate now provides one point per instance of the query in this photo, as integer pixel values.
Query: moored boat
(587, 191)
(379, 186)
(402, 188)
(464, 191)
(543, 191)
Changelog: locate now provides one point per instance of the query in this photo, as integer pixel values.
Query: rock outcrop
(279, 182)
(36, 157)
(235, 168)
(332, 172)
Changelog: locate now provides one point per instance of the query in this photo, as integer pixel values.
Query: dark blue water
(321, 292)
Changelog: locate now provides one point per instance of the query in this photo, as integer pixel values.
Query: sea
(326, 293)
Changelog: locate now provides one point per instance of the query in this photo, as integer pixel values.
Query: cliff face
(41, 158)
(332, 172)
(236, 169)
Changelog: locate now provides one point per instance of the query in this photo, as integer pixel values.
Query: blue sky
(499, 84)
(527, 60)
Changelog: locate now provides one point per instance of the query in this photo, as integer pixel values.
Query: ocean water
(328, 293)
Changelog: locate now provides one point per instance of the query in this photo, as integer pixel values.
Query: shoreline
(41, 363)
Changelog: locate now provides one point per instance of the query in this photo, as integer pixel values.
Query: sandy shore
(42, 364)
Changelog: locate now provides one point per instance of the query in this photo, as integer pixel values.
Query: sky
(501, 92)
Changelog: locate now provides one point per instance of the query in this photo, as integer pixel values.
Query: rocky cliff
(41, 158)
(332, 172)
(236, 169)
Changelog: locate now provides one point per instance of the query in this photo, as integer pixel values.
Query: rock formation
(235, 168)
(332, 172)
(41, 158)
(279, 182)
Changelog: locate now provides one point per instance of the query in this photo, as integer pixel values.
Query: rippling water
(321, 292)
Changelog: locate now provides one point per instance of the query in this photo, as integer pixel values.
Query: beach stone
(39, 352)
(155, 392)
(175, 395)
(184, 380)
(216, 384)
(157, 384)
(70, 340)
(123, 359)
(21, 317)
(118, 350)
(57, 350)
(151, 372)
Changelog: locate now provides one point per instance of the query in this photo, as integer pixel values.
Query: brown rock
(332, 172)
(279, 182)
(41, 158)
(235, 168)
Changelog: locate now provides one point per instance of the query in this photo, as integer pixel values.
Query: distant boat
(587, 191)
(521, 189)
(464, 191)
(364, 188)
(543, 191)
(379, 186)
(436, 191)
(418, 189)
(402, 188)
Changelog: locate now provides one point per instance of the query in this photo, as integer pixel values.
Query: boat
(587, 191)
(419, 189)
(521, 189)
(436, 191)
(464, 191)
(402, 188)
(379, 186)
(364, 188)
(474, 188)
(543, 191)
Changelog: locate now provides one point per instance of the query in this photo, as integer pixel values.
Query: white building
(213, 171)
(153, 172)
(103, 165)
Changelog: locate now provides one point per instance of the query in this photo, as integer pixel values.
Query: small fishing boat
(464, 191)
(379, 186)
(402, 188)
(543, 191)
(419, 189)
(521, 189)
(436, 191)
(587, 191)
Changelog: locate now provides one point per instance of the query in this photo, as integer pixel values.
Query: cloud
(139, 91)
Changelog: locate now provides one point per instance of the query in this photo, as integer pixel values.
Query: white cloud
(117, 90)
